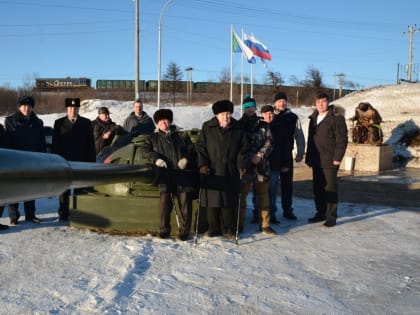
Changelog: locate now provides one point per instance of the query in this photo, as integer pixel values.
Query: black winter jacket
(99, 128)
(327, 141)
(283, 129)
(4, 141)
(24, 133)
(224, 151)
(171, 147)
(75, 141)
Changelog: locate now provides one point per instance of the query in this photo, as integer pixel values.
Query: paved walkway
(397, 188)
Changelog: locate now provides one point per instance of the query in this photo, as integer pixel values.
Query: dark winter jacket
(25, 133)
(327, 141)
(284, 131)
(101, 127)
(171, 147)
(259, 140)
(139, 125)
(224, 151)
(4, 141)
(75, 141)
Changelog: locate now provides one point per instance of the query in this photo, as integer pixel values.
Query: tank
(130, 207)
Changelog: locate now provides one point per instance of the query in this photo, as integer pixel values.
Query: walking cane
(239, 211)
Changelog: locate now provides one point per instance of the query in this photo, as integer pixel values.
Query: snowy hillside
(368, 264)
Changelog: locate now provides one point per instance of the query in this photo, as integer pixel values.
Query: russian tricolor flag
(258, 48)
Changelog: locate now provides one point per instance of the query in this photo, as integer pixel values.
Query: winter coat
(4, 141)
(286, 129)
(101, 127)
(75, 141)
(327, 141)
(25, 133)
(260, 140)
(171, 147)
(139, 125)
(224, 152)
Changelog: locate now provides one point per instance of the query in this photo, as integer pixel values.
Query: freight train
(56, 84)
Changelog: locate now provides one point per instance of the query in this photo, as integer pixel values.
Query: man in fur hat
(25, 132)
(222, 149)
(170, 148)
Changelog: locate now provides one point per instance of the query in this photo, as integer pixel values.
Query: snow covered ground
(368, 264)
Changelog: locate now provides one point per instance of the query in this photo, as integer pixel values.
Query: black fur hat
(163, 114)
(103, 110)
(72, 102)
(222, 106)
(280, 96)
(267, 108)
(26, 100)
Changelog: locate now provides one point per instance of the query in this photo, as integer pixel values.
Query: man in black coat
(286, 129)
(327, 143)
(25, 132)
(170, 148)
(104, 129)
(222, 150)
(73, 140)
(3, 144)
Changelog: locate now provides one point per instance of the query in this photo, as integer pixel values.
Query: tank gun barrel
(31, 175)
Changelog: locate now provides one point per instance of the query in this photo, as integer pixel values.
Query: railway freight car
(52, 84)
(119, 85)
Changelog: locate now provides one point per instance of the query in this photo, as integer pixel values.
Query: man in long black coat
(327, 143)
(25, 132)
(222, 150)
(73, 140)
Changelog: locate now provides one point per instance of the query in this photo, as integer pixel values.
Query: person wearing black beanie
(287, 130)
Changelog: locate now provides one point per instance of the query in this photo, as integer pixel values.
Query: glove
(204, 170)
(161, 163)
(255, 159)
(182, 163)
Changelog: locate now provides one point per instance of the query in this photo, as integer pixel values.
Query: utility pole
(137, 52)
(159, 49)
(411, 30)
(189, 85)
(341, 77)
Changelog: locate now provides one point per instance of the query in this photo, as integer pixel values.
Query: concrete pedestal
(367, 157)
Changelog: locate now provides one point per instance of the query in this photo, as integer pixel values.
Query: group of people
(232, 157)
(75, 138)
(235, 156)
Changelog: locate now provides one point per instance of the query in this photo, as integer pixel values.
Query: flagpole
(231, 62)
(242, 75)
(252, 80)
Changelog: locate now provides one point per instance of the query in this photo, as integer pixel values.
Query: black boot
(288, 214)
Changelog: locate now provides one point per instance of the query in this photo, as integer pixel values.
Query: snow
(368, 264)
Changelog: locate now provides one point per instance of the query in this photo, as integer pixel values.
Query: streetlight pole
(136, 54)
(159, 50)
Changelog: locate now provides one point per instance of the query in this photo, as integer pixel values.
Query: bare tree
(173, 75)
(274, 78)
(313, 78)
(294, 80)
